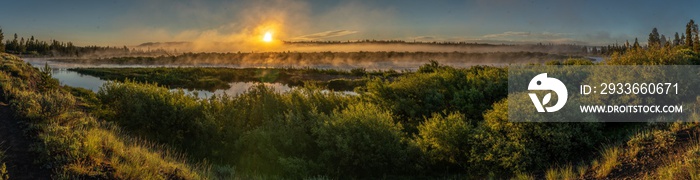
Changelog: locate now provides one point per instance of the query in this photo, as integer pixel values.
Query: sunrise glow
(267, 37)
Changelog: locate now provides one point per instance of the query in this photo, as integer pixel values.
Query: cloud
(526, 35)
(323, 35)
(506, 34)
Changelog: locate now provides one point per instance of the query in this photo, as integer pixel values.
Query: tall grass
(609, 160)
(73, 143)
(4, 175)
(688, 167)
(566, 172)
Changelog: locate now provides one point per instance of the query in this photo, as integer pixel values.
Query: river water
(75, 79)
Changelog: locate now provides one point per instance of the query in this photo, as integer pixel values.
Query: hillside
(68, 143)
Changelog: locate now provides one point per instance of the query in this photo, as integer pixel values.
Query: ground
(18, 156)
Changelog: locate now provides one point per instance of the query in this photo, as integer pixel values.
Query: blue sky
(133, 22)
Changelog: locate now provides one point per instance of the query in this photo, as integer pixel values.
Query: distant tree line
(689, 39)
(35, 47)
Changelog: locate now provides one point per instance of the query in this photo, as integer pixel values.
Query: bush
(450, 145)
(358, 71)
(74, 144)
(437, 89)
(654, 56)
(528, 146)
(361, 141)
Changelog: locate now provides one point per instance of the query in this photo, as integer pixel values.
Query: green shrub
(358, 71)
(450, 144)
(361, 141)
(654, 56)
(74, 144)
(528, 146)
(437, 89)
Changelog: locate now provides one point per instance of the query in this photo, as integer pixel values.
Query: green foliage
(74, 144)
(361, 141)
(439, 89)
(358, 71)
(527, 146)
(654, 56)
(451, 144)
(270, 132)
(219, 78)
(47, 82)
(166, 117)
(571, 61)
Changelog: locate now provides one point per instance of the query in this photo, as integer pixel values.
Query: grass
(582, 169)
(73, 143)
(4, 175)
(566, 172)
(523, 176)
(686, 168)
(608, 162)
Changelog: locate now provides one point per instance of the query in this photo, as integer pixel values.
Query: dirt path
(18, 157)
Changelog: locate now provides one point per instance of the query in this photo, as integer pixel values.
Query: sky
(131, 22)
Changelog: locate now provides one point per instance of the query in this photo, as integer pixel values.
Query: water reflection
(75, 79)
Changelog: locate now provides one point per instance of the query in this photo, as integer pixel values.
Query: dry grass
(566, 172)
(4, 175)
(523, 176)
(686, 168)
(608, 162)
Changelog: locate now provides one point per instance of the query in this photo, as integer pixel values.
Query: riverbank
(212, 79)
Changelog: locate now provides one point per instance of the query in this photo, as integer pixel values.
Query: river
(70, 78)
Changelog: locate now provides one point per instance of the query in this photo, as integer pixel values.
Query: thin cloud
(325, 34)
(519, 34)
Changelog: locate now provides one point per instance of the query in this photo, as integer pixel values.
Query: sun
(267, 37)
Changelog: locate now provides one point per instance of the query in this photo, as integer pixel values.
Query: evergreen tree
(696, 38)
(689, 33)
(13, 45)
(654, 40)
(676, 40)
(662, 41)
(636, 44)
(2, 46)
(682, 40)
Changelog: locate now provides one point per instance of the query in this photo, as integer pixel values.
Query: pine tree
(2, 46)
(696, 39)
(662, 41)
(654, 40)
(689, 33)
(636, 44)
(676, 40)
(682, 40)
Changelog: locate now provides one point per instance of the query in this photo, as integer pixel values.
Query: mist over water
(74, 79)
